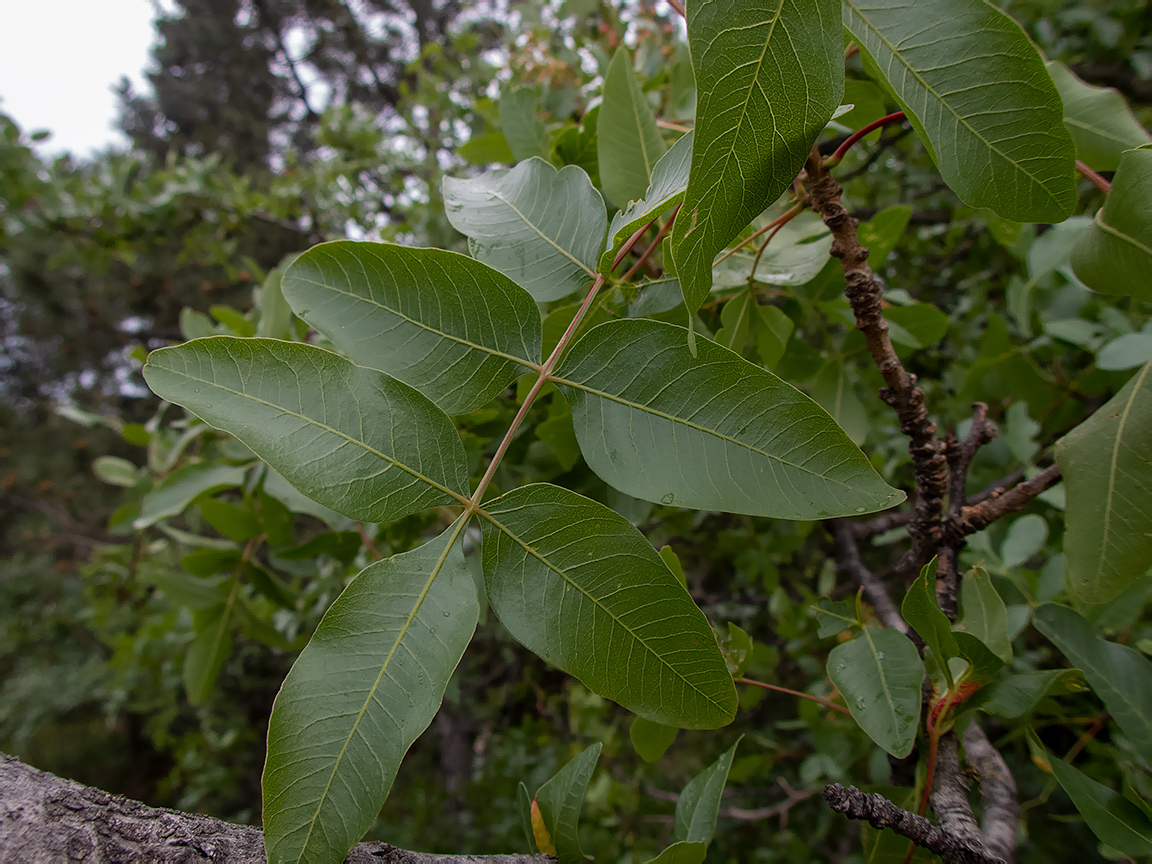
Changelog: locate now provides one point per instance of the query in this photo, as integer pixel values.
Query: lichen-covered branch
(901, 391)
(45, 819)
(997, 790)
(879, 812)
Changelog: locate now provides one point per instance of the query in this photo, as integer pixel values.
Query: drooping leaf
(682, 852)
(361, 692)
(179, 488)
(879, 673)
(1107, 466)
(577, 584)
(666, 190)
(699, 803)
(1126, 352)
(1018, 694)
(1025, 537)
(983, 664)
(525, 134)
(1114, 256)
(116, 471)
(649, 739)
(922, 612)
(1114, 819)
(1121, 677)
(453, 328)
(629, 144)
(559, 802)
(351, 438)
(1101, 124)
(976, 91)
(541, 227)
(713, 432)
(985, 615)
(752, 133)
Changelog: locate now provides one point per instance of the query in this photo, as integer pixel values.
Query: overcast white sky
(59, 60)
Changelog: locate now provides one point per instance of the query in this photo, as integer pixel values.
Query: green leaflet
(628, 142)
(559, 800)
(879, 673)
(1114, 256)
(985, 615)
(1101, 124)
(682, 852)
(752, 133)
(525, 134)
(699, 803)
(541, 227)
(976, 91)
(1121, 677)
(361, 692)
(350, 438)
(713, 432)
(181, 487)
(453, 328)
(1114, 819)
(1107, 466)
(577, 584)
(669, 180)
(650, 740)
(922, 612)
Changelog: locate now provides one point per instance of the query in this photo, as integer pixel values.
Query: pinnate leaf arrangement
(358, 412)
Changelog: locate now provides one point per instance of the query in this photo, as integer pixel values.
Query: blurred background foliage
(156, 583)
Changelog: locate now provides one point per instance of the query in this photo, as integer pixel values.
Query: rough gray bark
(45, 819)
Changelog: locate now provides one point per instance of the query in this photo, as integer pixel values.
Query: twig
(834, 160)
(788, 216)
(997, 790)
(879, 812)
(653, 246)
(879, 524)
(960, 456)
(1097, 181)
(796, 693)
(901, 393)
(979, 516)
(848, 557)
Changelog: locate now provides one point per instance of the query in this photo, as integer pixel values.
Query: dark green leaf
(1114, 256)
(922, 612)
(180, 488)
(580, 586)
(681, 853)
(1017, 695)
(1107, 466)
(523, 131)
(985, 615)
(752, 133)
(304, 410)
(713, 432)
(699, 803)
(1121, 677)
(879, 673)
(367, 685)
(208, 651)
(1117, 821)
(559, 800)
(456, 330)
(834, 616)
(486, 148)
(975, 89)
(1101, 124)
(629, 144)
(235, 523)
(649, 739)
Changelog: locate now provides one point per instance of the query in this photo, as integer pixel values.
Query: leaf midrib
(394, 462)
(611, 397)
(458, 339)
(959, 118)
(1112, 471)
(379, 677)
(486, 514)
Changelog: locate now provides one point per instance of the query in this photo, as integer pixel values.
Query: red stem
(834, 159)
(664, 229)
(808, 696)
(1097, 181)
